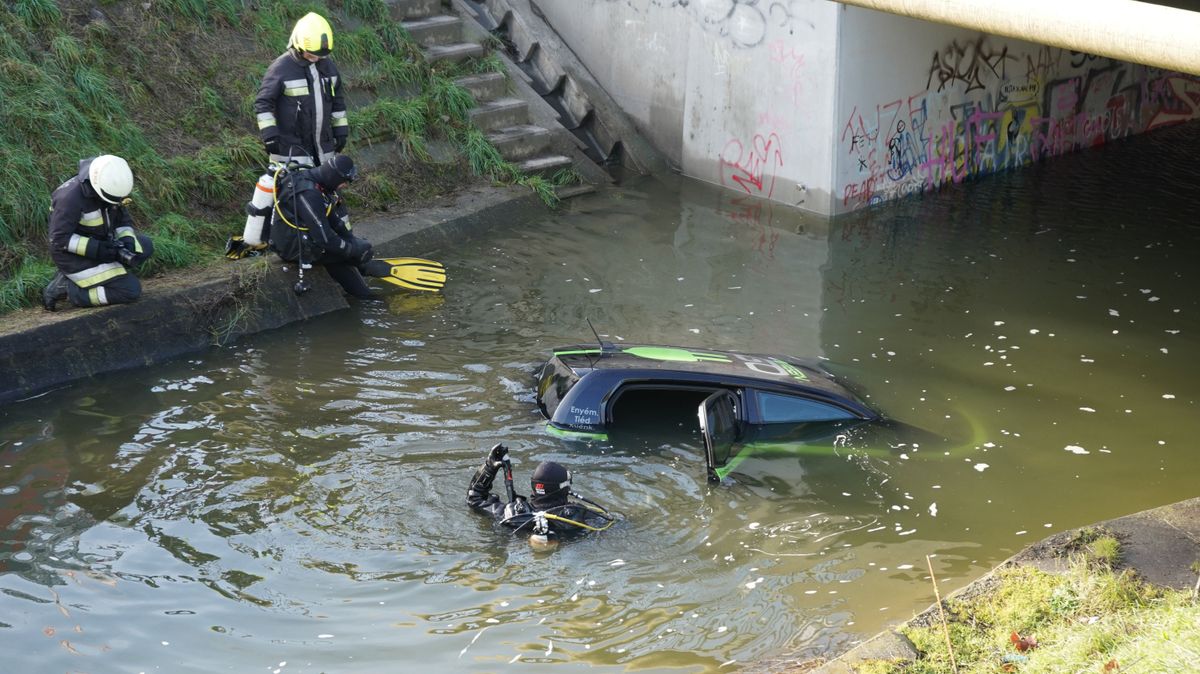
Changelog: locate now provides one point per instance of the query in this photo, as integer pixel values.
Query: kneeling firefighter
(311, 225)
(548, 514)
(92, 240)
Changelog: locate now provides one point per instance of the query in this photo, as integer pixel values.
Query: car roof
(577, 385)
(770, 371)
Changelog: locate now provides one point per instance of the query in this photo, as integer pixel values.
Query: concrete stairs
(504, 117)
(577, 102)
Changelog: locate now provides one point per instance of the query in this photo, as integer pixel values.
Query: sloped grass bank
(170, 85)
(1090, 619)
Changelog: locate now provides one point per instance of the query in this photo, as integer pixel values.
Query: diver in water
(548, 514)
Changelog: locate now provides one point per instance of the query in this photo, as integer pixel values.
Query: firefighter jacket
(301, 108)
(308, 223)
(85, 231)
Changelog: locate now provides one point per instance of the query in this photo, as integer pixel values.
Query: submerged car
(743, 400)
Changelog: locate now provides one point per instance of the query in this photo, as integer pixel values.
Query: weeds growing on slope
(133, 79)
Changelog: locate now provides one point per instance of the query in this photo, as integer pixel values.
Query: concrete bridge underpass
(1152, 34)
(831, 106)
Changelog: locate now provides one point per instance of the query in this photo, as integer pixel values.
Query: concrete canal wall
(833, 108)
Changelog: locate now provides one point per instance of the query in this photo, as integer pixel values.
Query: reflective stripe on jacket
(302, 106)
(84, 230)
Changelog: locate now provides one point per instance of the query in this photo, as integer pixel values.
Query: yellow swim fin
(413, 273)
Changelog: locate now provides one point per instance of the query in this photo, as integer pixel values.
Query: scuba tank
(258, 209)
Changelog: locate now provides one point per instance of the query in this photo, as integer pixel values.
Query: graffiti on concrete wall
(751, 167)
(744, 23)
(985, 108)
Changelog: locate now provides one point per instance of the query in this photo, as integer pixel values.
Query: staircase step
(569, 191)
(431, 30)
(545, 165)
(500, 113)
(459, 51)
(521, 141)
(412, 9)
(484, 87)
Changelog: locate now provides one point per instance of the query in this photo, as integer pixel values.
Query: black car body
(741, 397)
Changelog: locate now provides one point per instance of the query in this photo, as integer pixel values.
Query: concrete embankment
(213, 305)
(1160, 545)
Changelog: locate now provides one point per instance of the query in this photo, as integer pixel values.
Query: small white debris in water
(694, 331)
(727, 663)
(575, 597)
(1021, 532)
(491, 620)
(1163, 349)
(1076, 449)
(988, 364)
(1034, 331)
(166, 643)
(617, 562)
(933, 509)
(1086, 409)
(997, 323)
(678, 278)
(754, 583)
(735, 287)
(324, 636)
(810, 592)
(550, 647)
(503, 603)
(989, 445)
(1048, 525)
(1010, 388)
(754, 525)
(1113, 312)
(722, 628)
(905, 533)
(980, 467)
(515, 658)
(904, 567)
(1168, 396)
(595, 290)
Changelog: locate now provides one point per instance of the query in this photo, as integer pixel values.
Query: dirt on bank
(1161, 546)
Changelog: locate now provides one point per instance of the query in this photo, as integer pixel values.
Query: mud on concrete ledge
(195, 309)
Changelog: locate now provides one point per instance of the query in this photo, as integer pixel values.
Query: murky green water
(295, 503)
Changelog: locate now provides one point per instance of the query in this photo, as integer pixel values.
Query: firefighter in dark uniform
(300, 106)
(92, 240)
(548, 514)
(311, 225)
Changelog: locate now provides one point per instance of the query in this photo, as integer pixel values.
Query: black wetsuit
(311, 224)
(563, 520)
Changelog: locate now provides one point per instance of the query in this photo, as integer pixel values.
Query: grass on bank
(1090, 619)
(170, 85)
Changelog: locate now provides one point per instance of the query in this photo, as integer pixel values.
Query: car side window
(777, 408)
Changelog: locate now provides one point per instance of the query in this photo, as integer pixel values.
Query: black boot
(56, 290)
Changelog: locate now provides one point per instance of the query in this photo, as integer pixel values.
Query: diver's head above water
(550, 485)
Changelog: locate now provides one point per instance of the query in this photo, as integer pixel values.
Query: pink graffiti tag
(1187, 107)
(786, 57)
(748, 167)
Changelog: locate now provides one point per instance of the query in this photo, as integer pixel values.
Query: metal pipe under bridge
(1138, 32)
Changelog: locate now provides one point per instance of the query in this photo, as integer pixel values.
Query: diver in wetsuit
(548, 514)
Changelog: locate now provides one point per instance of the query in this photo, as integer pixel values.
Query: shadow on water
(299, 497)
